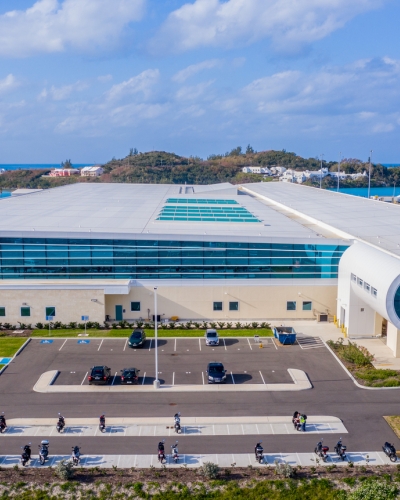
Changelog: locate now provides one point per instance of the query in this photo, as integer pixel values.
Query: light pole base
(156, 384)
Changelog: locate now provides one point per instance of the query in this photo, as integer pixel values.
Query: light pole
(338, 170)
(320, 177)
(156, 381)
(369, 175)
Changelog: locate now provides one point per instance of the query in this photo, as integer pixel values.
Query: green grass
(379, 378)
(124, 332)
(10, 345)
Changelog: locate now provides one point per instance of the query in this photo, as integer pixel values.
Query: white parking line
(126, 341)
(151, 340)
(202, 374)
(224, 344)
(233, 380)
(249, 344)
(273, 341)
(262, 377)
(199, 344)
(100, 344)
(144, 376)
(112, 383)
(175, 345)
(63, 345)
(173, 378)
(84, 378)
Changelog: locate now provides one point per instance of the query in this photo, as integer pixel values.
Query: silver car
(211, 336)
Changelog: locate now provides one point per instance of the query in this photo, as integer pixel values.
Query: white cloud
(62, 93)
(290, 24)
(140, 83)
(184, 74)
(192, 92)
(55, 25)
(8, 83)
(104, 78)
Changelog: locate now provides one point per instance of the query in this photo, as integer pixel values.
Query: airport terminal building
(265, 251)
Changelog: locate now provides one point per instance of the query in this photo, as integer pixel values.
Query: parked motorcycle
(3, 424)
(26, 454)
(76, 455)
(390, 451)
(43, 451)
(177, 425)
(102, 423)
(174, 452)
(340, 449)
(61, 423)
(321, 451)
(161, 452)
(259, 453)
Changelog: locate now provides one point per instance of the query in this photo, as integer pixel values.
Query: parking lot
(181, 361)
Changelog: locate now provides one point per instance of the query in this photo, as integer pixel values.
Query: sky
(90, 79)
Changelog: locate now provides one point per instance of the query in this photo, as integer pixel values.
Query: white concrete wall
(393, 339)
(255, 302)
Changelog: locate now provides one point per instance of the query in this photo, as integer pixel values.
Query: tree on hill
(66, 164)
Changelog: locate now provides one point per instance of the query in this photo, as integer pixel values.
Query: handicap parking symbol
(46, 341)
(83, 341)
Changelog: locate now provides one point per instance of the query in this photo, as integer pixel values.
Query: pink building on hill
(64, 172)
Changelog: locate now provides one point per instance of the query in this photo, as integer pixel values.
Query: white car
(211, 336)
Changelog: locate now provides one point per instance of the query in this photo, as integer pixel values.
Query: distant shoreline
(37, 166)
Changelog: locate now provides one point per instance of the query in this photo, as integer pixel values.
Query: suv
(211, 336)
(216, 373)
(137, 338)
(129, 376)
(99, 375)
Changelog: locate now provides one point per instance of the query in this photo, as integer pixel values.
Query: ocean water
(375, 191)
(5, 194)
(390, 165)
(31, 166)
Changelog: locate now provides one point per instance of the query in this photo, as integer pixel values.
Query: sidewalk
(328, 331)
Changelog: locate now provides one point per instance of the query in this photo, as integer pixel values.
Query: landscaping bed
(306, 483)
(358, 360)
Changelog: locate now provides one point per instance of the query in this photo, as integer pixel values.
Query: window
(217, 306)
(25, 311)
(234, 306)
(135, 306)
(291, 305)
(2, 311)
(50, 311)
(374, 292)
(360, 282)
(367, 287)
(307, 305)
(353, 277)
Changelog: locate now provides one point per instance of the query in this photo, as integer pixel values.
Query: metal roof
(374, 222)
(100, 210)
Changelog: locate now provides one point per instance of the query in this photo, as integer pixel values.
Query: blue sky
(88, 79)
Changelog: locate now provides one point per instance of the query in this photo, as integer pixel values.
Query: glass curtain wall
(30, 258)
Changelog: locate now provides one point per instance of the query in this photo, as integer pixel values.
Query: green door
(118, 313)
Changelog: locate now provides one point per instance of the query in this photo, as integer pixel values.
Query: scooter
(390, 451)
(161, 452)
(102, 424)
(76, 455)
(26, 454)
(43, 451)
(61, 423)
(174, 452)
(321, 451)
(177, 425)
(340, 449)
(259, 452)
(3, 425)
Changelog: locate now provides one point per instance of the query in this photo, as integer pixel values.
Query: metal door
(118, 313)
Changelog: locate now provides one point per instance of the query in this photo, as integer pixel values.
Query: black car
(216, 373)
(99, 375)
(129, 376)
(137, 338)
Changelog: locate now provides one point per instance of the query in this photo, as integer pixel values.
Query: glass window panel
(25, 312)
(291, 305)
(307, 305)
(234, 306)
(217, 306)
(50, 311)
(2, 312)
(135, 306)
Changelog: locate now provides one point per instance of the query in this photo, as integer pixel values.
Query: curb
(16, 354)
(351, 375)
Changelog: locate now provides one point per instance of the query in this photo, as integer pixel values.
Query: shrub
(229, 325)
(375, 490)
(39, 326)
(221, 324)
(238, 325)
(204, 325)
(89, 324)
(81, 326)
(376, 374)
(72, 325)
(196, 325)
(284, 469)
(22, 325)
(64, 469)
(96, 325)
(139, 324)
(164, 326)
(209, 470)
(213, 325)
(254, 324)
(265, 325)
(189, 325)
(8, 326)
(57, 324)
